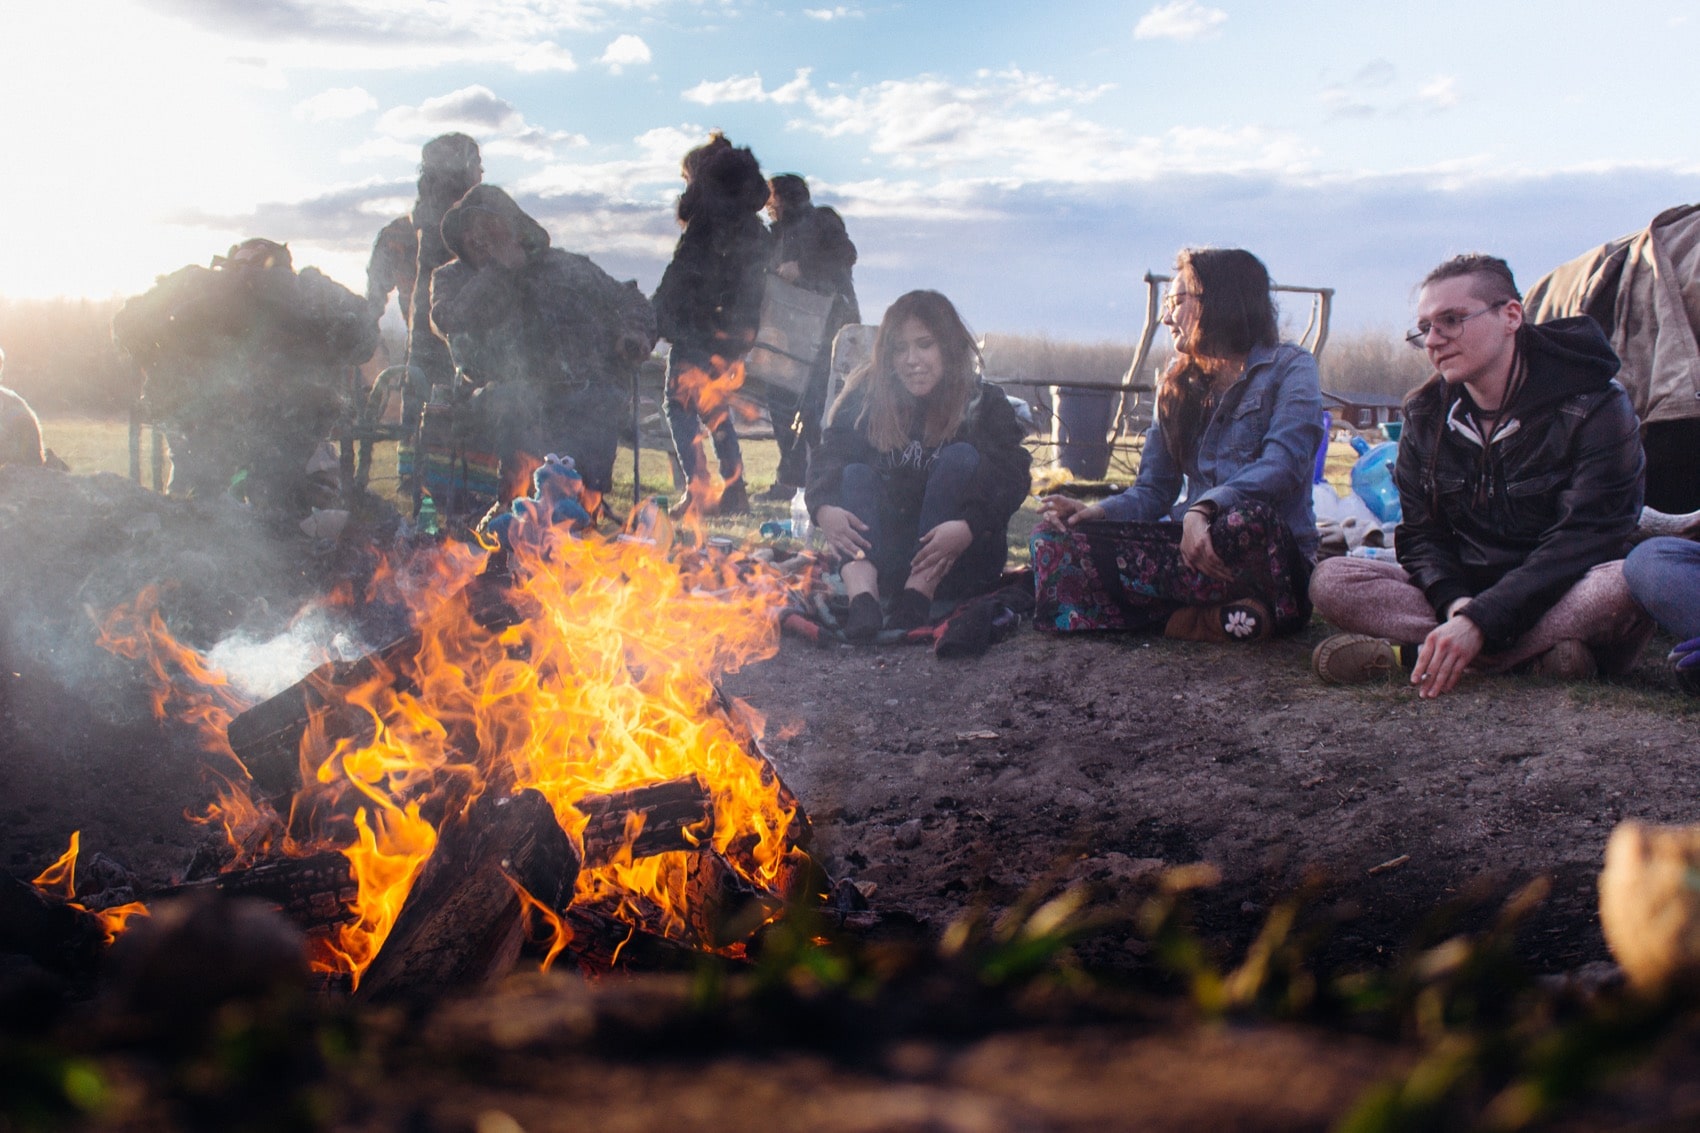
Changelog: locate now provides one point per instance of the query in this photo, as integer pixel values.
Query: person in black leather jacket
(1520, 478)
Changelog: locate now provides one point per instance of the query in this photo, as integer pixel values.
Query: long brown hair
(888, 408)
(1236, 314)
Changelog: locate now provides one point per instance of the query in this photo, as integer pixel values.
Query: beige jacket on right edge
(1644, 289)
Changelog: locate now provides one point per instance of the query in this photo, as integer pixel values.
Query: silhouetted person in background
(247, 366)
(550, 338)
(709, 307)
(406, 252)
(812, 250)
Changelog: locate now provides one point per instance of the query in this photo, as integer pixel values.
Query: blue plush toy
(557, 492)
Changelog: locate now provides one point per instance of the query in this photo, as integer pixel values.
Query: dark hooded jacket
(1514, 524)
(709, 298)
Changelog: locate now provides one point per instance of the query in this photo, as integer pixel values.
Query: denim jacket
(1260, 444)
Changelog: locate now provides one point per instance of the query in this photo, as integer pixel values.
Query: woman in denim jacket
(1239, 419)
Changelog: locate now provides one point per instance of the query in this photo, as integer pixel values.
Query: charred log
(313, 892)
(674, 815)
(464, 923)
(599, 942)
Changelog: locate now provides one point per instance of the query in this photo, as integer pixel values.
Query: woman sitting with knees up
(1238, 422)
(919, 469)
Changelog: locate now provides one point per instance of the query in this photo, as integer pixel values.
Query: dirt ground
(941, 787)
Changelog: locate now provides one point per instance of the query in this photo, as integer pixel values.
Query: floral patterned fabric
(1130, 576)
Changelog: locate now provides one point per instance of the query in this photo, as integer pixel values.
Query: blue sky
(1030, 160)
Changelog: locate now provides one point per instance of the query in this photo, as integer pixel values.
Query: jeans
(896, 519)
(688, 410)
(1664, 576)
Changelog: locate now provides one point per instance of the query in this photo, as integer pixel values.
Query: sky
(1032, 161)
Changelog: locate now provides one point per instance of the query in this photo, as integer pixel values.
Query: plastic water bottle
(1372, 478)
(651, 523)
(801, 527)
(427, 524)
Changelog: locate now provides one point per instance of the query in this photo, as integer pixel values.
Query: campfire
(543, 761)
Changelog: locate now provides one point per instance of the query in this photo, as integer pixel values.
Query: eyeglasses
(1174, 298)
(1447, 325)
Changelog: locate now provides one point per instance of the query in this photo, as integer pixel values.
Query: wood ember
(313, 892)
(674, 815)
(463, 923)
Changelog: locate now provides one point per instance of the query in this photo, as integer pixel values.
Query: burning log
(48, 929)
(599, 942)
(463, 922)
(654, 819)
(313, 892)
(267, 738)
(723, 908)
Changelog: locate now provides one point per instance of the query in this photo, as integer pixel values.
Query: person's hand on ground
(1687, 655)
(1197, 551)
(1446, 652)
(843, 532)
(1059, 513)
(940, 548)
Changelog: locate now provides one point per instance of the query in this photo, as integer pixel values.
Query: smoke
(260, 668)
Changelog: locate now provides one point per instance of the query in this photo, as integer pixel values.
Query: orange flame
(60, 878)
(606, 683)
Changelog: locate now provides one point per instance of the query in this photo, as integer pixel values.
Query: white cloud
(533, 144)
(1180, 19)
(651, 176)
(473, 109)
(625, 51)
(1439, 93)
(749, 88)
(336, 104)
(826, 15)
(500, 128)
(546, 57)
(1373, 91)
(1016, 128)
(323, 35)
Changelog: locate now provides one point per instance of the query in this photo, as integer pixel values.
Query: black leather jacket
(1513, 525)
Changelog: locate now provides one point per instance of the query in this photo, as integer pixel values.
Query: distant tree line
(1373, 362)
(60, 356)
